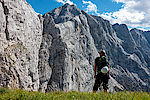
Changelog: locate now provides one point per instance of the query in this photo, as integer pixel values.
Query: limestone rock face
(72, 51)
(20, 39)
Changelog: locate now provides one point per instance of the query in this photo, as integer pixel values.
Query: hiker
(101, 62)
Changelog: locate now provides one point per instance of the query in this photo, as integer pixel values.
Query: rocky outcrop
(71, 53)
(20, 39)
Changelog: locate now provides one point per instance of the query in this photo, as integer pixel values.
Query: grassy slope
(7, 94)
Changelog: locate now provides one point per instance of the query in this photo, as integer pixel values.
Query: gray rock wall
(71, 56)
(20, 39)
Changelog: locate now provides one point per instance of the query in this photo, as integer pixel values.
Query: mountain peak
(64, 13)
(136, 30)
(67, 4)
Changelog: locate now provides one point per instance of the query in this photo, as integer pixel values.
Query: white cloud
(134, 13)
(70, 2)
(123, 1)
(60, 1)
(65, 1)
(91, 7)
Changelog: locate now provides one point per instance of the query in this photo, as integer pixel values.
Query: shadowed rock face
(56, 51)
(137, 56)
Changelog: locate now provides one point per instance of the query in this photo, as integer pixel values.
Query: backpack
(102, 61)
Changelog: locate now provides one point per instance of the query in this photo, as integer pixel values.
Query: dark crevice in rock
(18, 76)
(6, 30)
(6, 12)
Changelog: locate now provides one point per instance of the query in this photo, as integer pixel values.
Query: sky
(133, 13)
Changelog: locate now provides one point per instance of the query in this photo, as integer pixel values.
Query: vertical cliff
(72, 50)
(20, 39)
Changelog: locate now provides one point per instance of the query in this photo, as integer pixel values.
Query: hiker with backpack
(101, 72)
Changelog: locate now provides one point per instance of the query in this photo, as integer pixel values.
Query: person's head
(102, 53)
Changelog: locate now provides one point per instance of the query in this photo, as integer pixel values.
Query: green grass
(18, 94)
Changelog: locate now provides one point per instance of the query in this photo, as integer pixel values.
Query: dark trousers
(101, 78)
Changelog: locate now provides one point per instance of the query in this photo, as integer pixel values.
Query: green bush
(14, 94)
